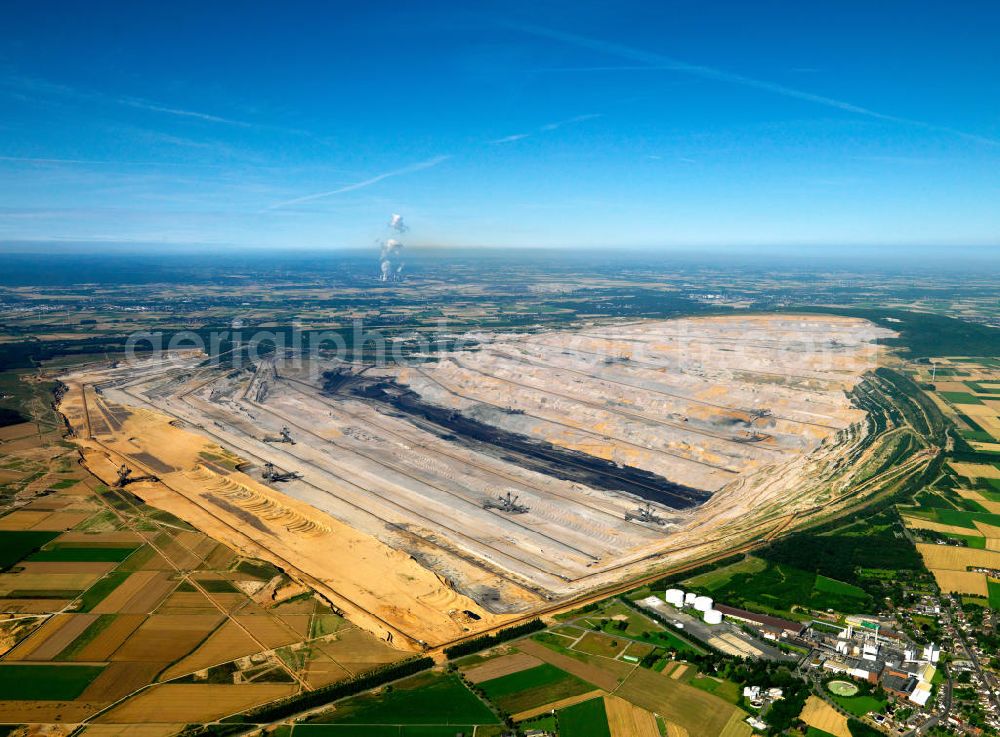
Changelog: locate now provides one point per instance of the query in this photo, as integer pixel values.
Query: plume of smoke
(391, 252)
(396, 224)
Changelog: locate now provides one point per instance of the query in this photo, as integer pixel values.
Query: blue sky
(625, 124)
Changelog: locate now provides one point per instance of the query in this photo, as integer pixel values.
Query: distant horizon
(805, 250)
(977, 261)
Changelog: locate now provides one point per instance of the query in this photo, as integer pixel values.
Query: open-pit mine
(437, 499)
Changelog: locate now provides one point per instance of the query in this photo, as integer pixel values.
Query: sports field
(842, 688)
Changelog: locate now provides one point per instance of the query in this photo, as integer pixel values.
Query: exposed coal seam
(526, 452)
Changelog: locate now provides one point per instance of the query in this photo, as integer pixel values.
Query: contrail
(419, 166)
(511, 138)
(548, 127)
(652, 60)
(105, 162)
(157, 108)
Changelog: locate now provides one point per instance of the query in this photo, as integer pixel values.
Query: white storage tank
(713, 616)
(689, 598)
(703, 603)
(675, 597)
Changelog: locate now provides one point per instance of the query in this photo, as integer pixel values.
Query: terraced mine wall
(392, 512)
(540, 456)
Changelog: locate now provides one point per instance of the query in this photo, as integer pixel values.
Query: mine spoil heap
(434, 500)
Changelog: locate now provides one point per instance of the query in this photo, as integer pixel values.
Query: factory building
(783, 627)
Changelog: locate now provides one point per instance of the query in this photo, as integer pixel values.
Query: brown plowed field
(501, 666)
(193, 702)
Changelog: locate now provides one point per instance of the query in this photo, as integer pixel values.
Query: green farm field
(586, 719)
(15, 545)
(994, 588)
(382, 730)
(430, 699)
(46, 682)
(533, 687)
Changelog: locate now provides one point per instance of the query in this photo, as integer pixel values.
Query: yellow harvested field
(187, 602)
(137, 594)
(961, 582)
(991, 507)
(951, 558)
(978, 411)
(699, 712)
(736, 727)
(608, 676)
(676, 730)
(993, 543)
(62, 520)
(950, 386)
(299, 623)
(356, 650)
(167, 637)
(987, 530)
(950, 567)
(39, 637)
(321, 671)
(501, 666)
(22, 519)
(35, 606)
(132, 730)
(819, 714)
(628, 720)
(991, 425)
(46, 581)
(975, 470)
(46, 712)
(190, 702)
(269, 630)
(20, 430)
(560, 704)
(74, 626)
(180, 556)
(227, 643)
(104, 645)
(679, 671)
(916, 523)
(118, 680)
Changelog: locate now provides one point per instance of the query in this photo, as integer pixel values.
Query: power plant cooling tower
(713, 616)
(675, 597)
